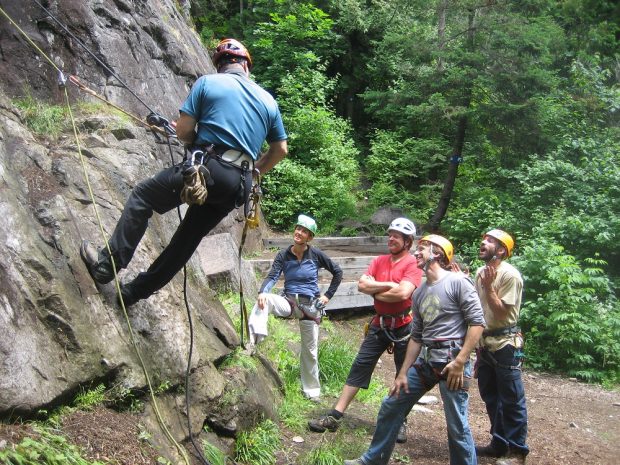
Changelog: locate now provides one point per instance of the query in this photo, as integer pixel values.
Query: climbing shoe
(128, 298)
(402, 434)
(99, 267)
(325, 422)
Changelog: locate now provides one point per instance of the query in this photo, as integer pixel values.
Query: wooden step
(371, 245)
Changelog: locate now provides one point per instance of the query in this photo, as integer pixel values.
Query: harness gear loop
(196, 178)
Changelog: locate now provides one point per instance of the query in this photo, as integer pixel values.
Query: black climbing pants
(161, 193)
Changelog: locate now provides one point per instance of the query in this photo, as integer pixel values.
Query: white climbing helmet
(404, 226)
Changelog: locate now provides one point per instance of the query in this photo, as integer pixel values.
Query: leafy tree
(320, 175)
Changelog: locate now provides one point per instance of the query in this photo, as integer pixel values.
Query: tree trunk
(448, 185)
(442, 7)
(456, 156)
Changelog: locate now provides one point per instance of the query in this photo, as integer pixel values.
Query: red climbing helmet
(231, 48)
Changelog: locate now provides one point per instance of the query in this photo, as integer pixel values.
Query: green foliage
(297, 37)
(87, 399)
(258, 447)
(42, 118)
(47, 448)
(345, 443)
(570, 316)
(319, 175)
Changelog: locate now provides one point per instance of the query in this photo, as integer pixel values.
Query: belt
(444, 344)
(501, 331)
(392, 320)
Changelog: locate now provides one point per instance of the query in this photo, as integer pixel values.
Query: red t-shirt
(382, 269)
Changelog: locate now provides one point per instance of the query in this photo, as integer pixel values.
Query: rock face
(60, 332)
(147, 44)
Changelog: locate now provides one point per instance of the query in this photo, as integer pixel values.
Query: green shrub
(570, 316)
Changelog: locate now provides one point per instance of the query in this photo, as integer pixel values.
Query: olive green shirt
(508, 285)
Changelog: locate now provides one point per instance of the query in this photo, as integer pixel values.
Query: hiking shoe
(402, 434)
(513, 458)
(325, 422)
(489, 451)
(99, 268)
(354, 462)
(128, 297)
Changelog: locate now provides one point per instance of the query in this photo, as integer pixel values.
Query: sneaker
(325, 422)
(100, 270)
(315, 399)
(354, 462)
(402, 434)
(489, 451)
(513, 458)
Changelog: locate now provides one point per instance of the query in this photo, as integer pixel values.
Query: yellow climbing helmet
(442, 242)
(505, 238)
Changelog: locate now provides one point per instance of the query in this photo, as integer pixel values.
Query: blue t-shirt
(233, 111)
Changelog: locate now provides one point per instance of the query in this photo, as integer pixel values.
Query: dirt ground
(570, 423)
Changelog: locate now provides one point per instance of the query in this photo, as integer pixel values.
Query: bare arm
(456, 367)
(276, 153)
(397, 294)
(186, 128)
(368, 285)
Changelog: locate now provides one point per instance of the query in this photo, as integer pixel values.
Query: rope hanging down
(157, 124)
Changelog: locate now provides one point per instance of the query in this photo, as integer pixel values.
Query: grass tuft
(258, 447)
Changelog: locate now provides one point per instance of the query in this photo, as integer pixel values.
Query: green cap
(307, 222)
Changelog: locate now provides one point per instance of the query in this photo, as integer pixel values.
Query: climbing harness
(508, 331)
(489, 358)
(389, 331)
(309, 308)
(429, 368)
(158, 124)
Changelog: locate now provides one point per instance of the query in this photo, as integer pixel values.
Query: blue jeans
(501, 389)
(395, 409)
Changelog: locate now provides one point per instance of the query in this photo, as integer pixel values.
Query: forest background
(466, 115)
